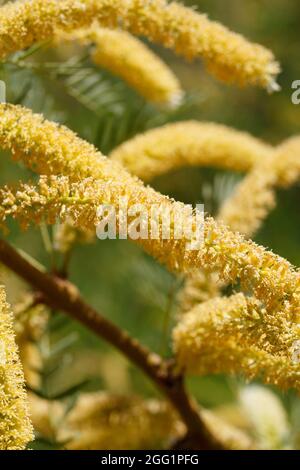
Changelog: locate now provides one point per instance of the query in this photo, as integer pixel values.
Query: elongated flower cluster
(233, 335)
(129, 58)
(227, 55)
(52, 149)
(270, 277)
(103, 421)
(190, 143)
(15, 427)
(255, 196)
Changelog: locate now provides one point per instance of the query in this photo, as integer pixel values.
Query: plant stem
(63, 295)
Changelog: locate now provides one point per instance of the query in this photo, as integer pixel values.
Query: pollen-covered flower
(227, 55)
(15, 426)
(129, 58)
(190, 143)
(237, 335)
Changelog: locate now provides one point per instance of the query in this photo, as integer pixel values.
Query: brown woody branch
(63, 295)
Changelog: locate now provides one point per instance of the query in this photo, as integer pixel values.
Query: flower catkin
(235, 335)
(190, 143)
(255, 196)
(129, 58)
(228, 55)
(100, 420)
(15, 426)
(53, 150)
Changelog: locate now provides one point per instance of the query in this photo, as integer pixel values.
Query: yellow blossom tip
(129, 58)
(237, 336)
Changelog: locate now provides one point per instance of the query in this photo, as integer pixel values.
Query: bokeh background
(117, 277)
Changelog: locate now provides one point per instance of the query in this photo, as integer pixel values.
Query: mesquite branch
(63, 295)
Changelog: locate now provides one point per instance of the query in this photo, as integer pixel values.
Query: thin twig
(63, 295)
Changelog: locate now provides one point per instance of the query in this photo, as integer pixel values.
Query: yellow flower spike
(227, 55)
(190, 143)
(254, 197)
(229, 335)
(269, 277)
(127, 57)
(15, 426)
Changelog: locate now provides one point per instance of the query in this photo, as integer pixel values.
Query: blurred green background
(116, 276)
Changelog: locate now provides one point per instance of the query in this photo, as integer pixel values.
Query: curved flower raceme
(253, 199)
(227, 55)
(129, 58)
(234, 335)
(15, 426)
(53, 150)
(190, 143)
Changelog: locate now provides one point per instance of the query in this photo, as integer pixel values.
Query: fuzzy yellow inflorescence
(129, 58)
(15, 426)
(53, 150)
(227, 55)
(255, 196)
(235, 335)
(96, 419)
(190, 143)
